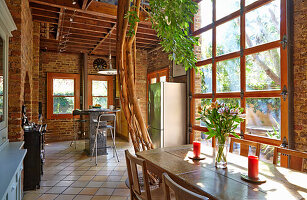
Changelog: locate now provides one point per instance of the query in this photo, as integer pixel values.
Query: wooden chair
(244, 152)
(134, 182)
(296, 158)
(180, 193)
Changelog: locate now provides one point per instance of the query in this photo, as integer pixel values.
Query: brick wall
(58, 129)
(20, 89)
(157, 59)
(300, 74)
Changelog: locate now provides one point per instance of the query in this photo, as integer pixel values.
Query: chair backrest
(106, 117)
(132, 167)
(296, 158)
(244, 152)
(181, 193)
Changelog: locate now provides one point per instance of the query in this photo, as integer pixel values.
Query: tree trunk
(126, 64)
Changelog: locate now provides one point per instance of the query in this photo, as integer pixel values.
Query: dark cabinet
(34, 160)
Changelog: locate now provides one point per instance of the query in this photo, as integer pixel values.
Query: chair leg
(114, 147)
(96, 150)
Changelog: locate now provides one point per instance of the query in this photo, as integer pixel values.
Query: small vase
(221, 149)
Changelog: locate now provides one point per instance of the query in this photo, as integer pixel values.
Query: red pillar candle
(196, 148)
(253, 169)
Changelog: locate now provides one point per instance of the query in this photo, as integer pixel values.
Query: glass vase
(221, 149)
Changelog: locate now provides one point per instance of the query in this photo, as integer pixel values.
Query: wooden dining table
(204, 178)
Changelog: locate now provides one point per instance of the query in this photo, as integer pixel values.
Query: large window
(243, 60)
(63, 95)
(100, 90)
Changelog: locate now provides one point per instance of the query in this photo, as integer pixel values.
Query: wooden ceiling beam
(44, 13)
(105, 37)
(60, 22)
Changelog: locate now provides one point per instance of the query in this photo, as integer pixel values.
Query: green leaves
(171, 19)
(221, 119)
(133, 19)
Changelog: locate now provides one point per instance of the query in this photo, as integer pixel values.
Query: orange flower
(199, 108)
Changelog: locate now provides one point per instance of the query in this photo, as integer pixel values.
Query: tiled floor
(70, 174)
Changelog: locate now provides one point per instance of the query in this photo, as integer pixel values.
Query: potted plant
(221, 121)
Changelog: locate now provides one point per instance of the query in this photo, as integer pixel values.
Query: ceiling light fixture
(103, 67)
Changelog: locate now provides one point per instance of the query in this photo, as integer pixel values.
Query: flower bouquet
(221, 121)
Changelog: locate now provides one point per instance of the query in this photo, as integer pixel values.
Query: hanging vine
(170, 19)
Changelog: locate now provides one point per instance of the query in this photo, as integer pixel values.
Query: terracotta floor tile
(79, 184)
(48, 197)
(121, 192)
(118, 198)
(114, 178)
(48, 183)
(117, 173)
(56, 190)
(85, 178)
(110, 184)
(72, 190)
(31, 196)
(83, 197)
(100, 178)
(90, 173)
(105, 191)
(65, 197)
(104, 172)
(89, 191)
(101, 198)
(71, 178)
(122, 185)
(64, 183)
(94, 184)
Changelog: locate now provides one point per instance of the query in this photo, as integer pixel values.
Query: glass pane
(204, 15)
(204, 50)
(99, 88)
(103, 101)
(153, 80)
(263, 24)
(266, 153)
(226, 7)
(247, 2)
(206, 78)
(228, 75)
(263, 117)
(163, 79)
(200, 136)
(228, 37)
(231, 101)
(263, 70)
(63, 87)
(63, 105)
(1, 80)
(202, 103)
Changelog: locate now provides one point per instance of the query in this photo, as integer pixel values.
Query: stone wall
(300, 74)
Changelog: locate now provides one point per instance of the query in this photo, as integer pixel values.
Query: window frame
(50, 77)
(109, 79)
(157, 74)
(242, 53)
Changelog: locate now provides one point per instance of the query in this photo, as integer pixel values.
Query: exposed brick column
(300, 74)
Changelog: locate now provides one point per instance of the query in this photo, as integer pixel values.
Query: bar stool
(102, 127)
(76, 120)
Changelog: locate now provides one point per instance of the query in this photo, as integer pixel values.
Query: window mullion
(214, 51)
(242, 63)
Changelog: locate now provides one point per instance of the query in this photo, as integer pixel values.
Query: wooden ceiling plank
(84, 4)
(60, 22)
(101, 41)
(44, 13)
